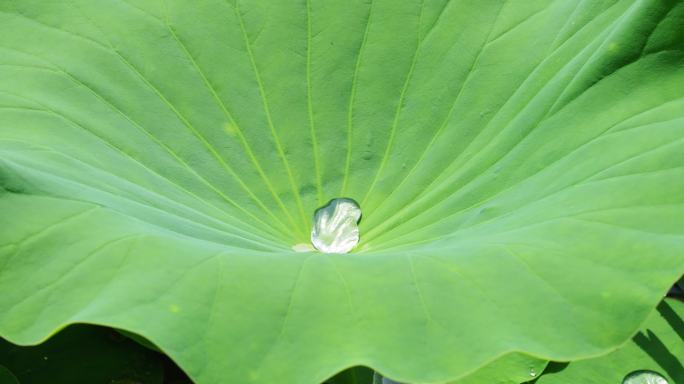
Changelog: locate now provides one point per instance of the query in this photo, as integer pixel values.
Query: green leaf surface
(82, 355)
(514, 368)
(519, 166)
(658, 347)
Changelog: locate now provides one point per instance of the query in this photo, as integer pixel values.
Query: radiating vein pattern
(160, 159)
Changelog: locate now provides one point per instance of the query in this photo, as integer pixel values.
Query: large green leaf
(514, 368)
(520, 167)
(658, 347)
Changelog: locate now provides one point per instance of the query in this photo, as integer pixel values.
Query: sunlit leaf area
(341, 191)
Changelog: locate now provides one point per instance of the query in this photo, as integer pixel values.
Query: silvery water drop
(533, 373)
(335, 228)
(644, 377)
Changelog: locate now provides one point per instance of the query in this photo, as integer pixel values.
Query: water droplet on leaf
(335, 226)
(644, 377)
(533, 372)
